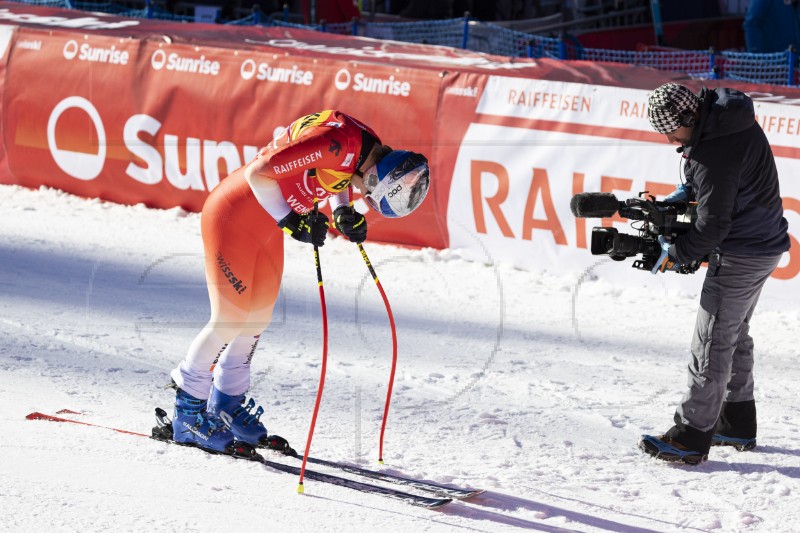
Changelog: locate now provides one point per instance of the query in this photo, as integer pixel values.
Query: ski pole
(324, 361)
(394, 339)
(394, 348)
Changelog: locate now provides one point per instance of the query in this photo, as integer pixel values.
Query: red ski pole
(394, 340)
(394, 348)
(324, 361)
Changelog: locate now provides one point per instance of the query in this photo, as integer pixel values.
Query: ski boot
(245, 425)
(193, 426)
(667, 449)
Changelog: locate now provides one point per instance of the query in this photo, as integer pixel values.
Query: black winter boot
(681, 443)
(736, 426)
(690, 437)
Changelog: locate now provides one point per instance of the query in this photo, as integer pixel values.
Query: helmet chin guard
(397, 184)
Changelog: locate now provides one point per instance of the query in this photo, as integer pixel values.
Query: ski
(52, 418)
(394, 494)
(280, 445)
(457, 493)
(249, 454)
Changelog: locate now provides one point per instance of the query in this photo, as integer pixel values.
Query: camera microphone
(594, 205)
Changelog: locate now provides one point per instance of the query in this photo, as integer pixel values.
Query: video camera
(657, 218)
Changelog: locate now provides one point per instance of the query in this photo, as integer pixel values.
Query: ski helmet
(397, 184)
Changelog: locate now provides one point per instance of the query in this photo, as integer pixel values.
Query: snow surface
(533, 386)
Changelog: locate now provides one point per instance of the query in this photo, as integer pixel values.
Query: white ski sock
(232, 373)
(193, 374)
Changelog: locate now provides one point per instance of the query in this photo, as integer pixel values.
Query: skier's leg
(237, 237)
(232, 372)
(191, 423)
(235, 229)
(227, 321)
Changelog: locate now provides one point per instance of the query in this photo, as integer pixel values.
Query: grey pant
(722, 348)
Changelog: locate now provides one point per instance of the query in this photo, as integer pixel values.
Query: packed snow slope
(533, 386)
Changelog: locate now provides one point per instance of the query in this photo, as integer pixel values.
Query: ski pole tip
(380, 461)
(300, 489)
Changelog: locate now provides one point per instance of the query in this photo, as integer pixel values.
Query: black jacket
(731, 170)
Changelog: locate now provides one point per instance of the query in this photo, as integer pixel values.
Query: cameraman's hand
(680, 194)
(665, 262)
(311, 228)
(350, 223)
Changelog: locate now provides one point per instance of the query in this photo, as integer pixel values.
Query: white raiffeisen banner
(533, 144)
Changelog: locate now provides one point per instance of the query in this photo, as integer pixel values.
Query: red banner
(6, 35)
(141, 121)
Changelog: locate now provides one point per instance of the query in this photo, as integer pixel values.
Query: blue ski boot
(192, 425)
(245, 425)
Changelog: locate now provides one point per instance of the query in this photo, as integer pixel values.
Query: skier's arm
(315, 148)
(268, 193)
(283, 157)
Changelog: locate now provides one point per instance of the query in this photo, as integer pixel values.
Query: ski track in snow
(533, 386)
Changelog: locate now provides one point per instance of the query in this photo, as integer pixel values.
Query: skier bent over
(319, 156)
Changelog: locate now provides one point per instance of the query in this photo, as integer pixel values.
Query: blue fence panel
(757, 68)
(448, 32)
(493, 39)
(691, 62)
(149, 12)
(274, 21)
(250, 20)
(49, 3)
(101, 7)
(545, 47)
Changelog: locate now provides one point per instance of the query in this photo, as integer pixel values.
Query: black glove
(311, 228)
(350, 223)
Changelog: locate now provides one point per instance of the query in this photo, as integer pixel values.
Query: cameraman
(730, 172)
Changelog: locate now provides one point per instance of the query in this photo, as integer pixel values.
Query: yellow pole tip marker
(300, 489)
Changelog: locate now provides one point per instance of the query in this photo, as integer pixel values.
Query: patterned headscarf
(666, 105)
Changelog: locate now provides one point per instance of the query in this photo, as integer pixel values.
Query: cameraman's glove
(350, 223)
(680, 194)
(665, 262)
(311, 228)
